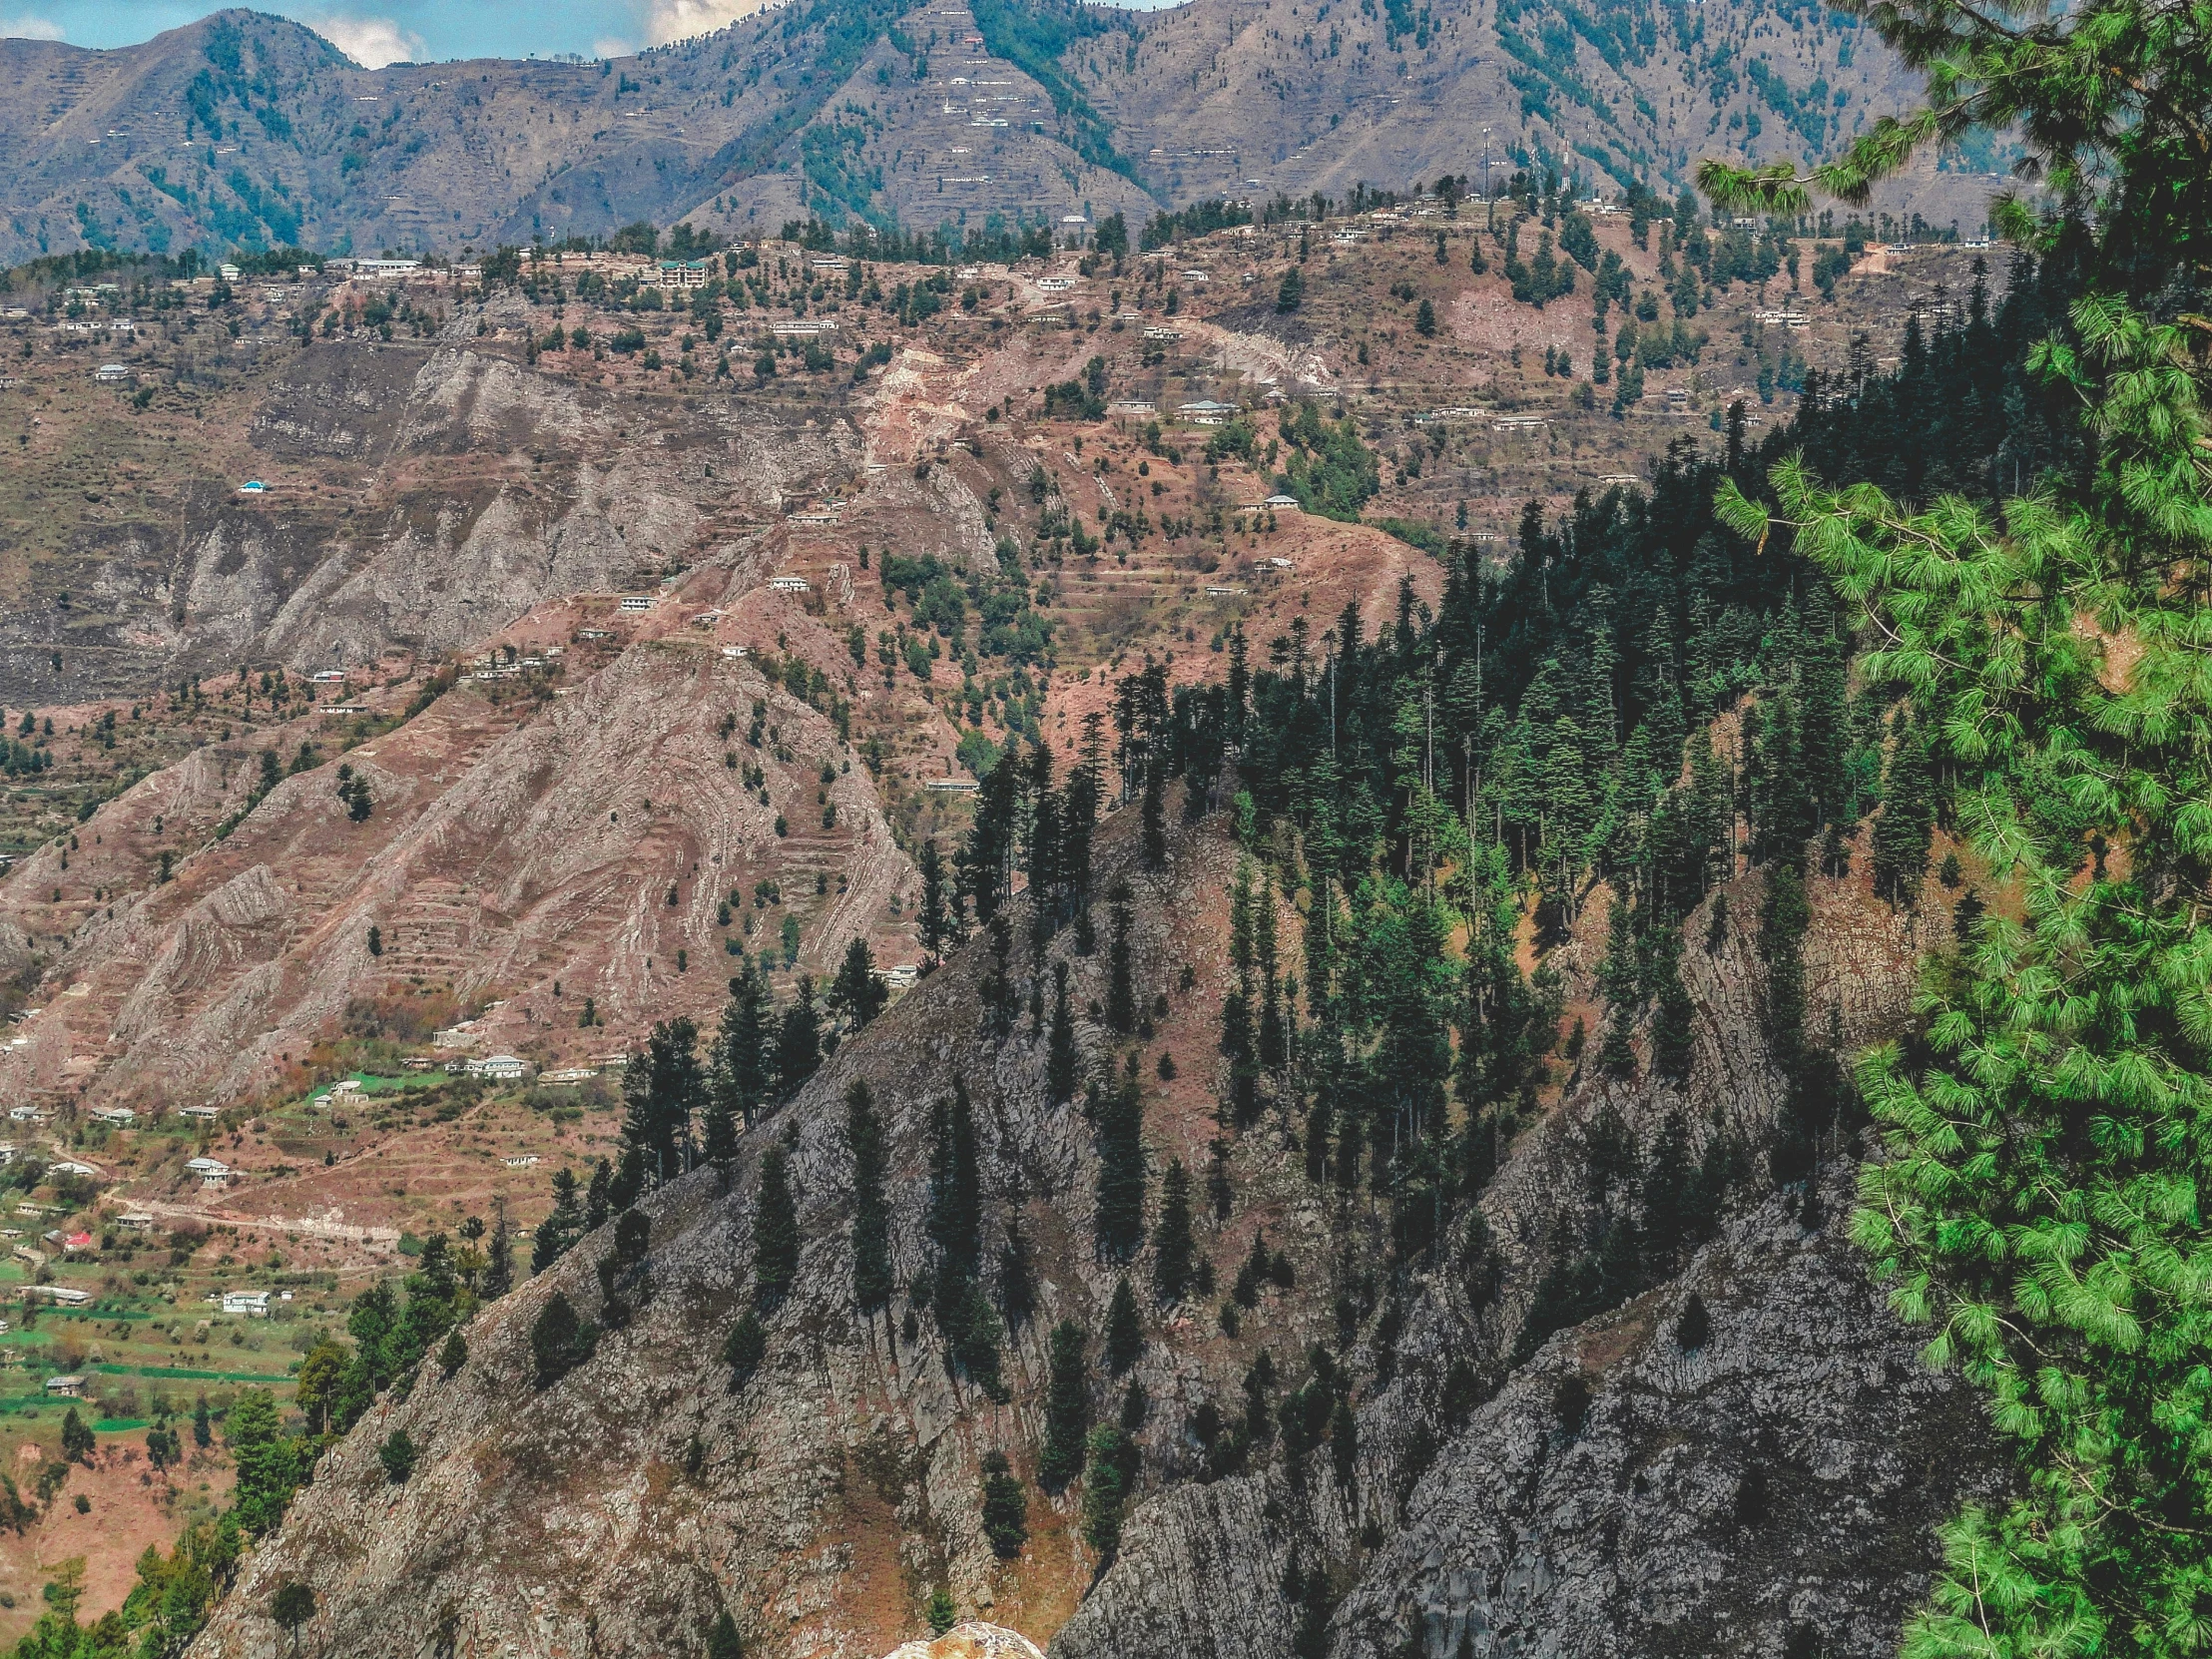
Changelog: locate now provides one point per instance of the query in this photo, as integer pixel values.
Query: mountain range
(245, 131)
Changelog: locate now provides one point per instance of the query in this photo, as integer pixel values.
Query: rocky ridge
(1621, 1490)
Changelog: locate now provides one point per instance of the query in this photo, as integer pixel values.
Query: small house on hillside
(66, 1388)
(253, 1303)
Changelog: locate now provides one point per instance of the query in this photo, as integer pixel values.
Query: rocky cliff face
(1630, 1487)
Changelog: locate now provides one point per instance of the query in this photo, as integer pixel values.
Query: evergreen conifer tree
(1067, 1408)
(1063, 1064)
(871, 1222)
(1903, 828)
(1121, 990)
(661, 1089)
(499, 1253)
(1005, 1507)
(1124, 1329)
(955, 1213)
(745, 1348)
(939, 922)
(775, 1231)
(1121, 1171)
(797, 1041)
(1173, 1250)
(561, 1228)
(856, 993)
(741, 1079)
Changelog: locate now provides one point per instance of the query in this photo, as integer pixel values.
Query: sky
(377, 31)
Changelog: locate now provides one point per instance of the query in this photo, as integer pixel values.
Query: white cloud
(371, 42)
(670, 20)
(29, 28)
(612, 46)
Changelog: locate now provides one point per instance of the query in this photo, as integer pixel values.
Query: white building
(253, 1303)
(503, 1068)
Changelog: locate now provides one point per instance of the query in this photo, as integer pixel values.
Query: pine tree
(940, 922)
(1907, 816)
(1124, 1329)
(871, 1222)
(722, 1639)
(661, 1089)
(775, 1231)
(856, 993)
(955, 1209)
(1005, 1507)
(559, 1341)
(1067, 1408)
(1990, 1205)
(797, 1041)
(987, 856)
(1063, 1064)
(1274, 1042)
(499, 1253)
(744, 1349)
(1109, 1480)
(1121, 992)
(741, 1079)
(1121, 1171)
(1173, 1250)
(1783, 921)
(1042, 843)
(562, 1228)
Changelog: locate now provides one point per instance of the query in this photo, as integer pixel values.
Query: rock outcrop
(1634, 1486)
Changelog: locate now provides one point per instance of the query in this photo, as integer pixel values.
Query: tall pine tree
(871, 1218)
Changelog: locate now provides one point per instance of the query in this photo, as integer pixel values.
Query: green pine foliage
(1174, 1251)
(775, 1231)
(1119, 1213)
(1067, 1408)
(745, 1348)
(1063, 1061)
(1124, 1331)
(559, 1341)
(1005, 1507)
(2037, 1206)
(871, 1222)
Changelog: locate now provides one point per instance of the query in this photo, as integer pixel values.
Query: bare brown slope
(514, 844)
